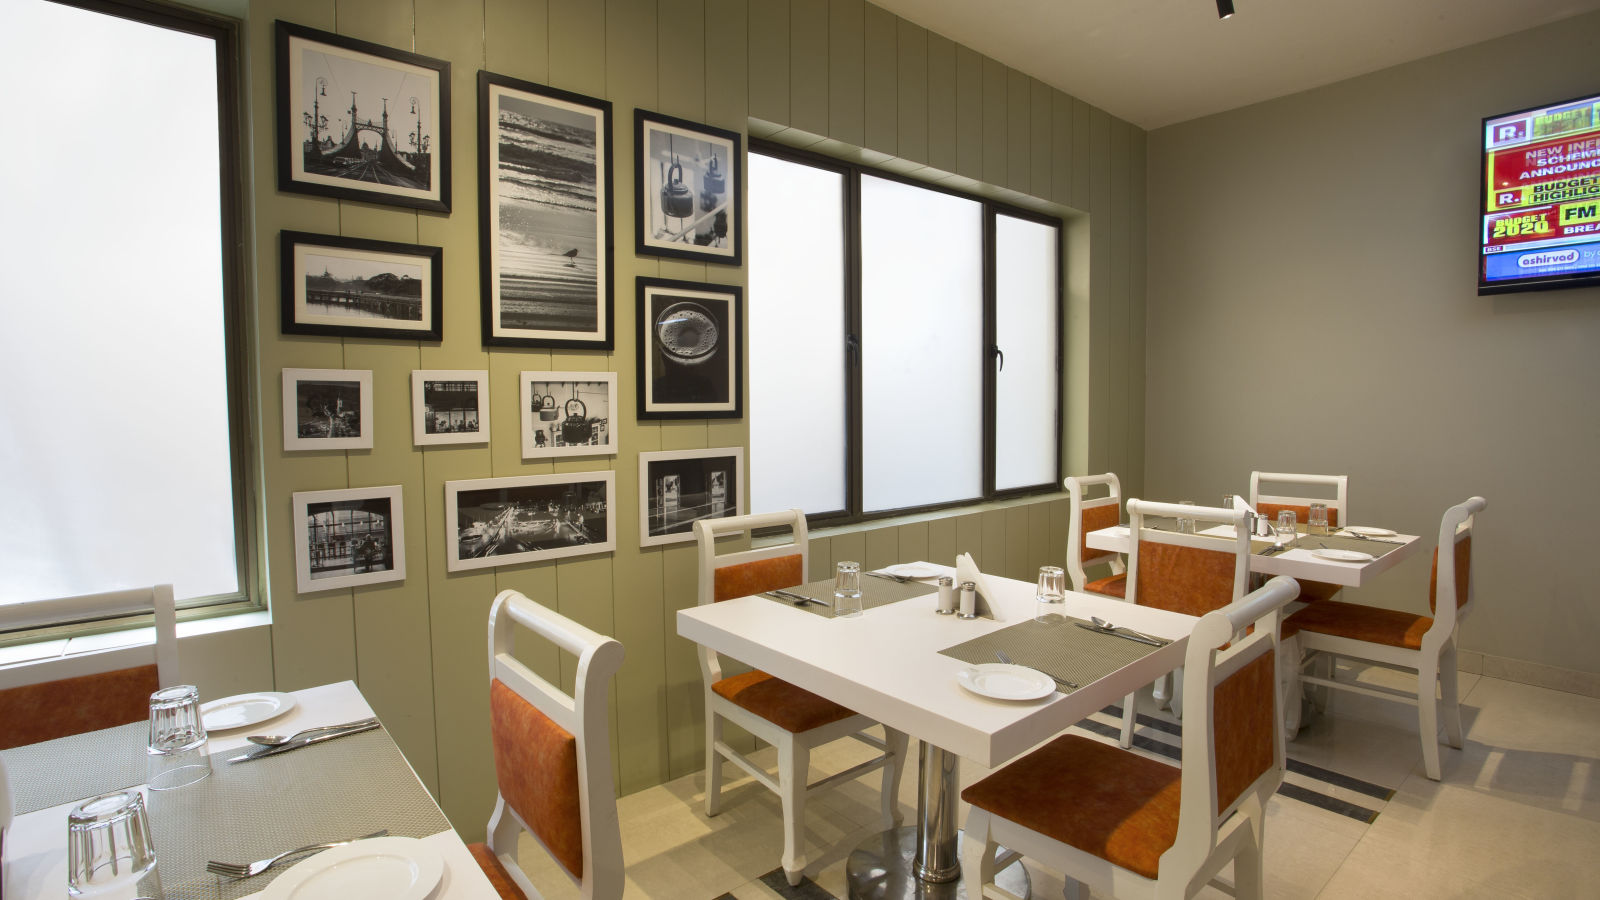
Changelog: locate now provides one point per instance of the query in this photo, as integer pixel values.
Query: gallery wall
(842, 77)
(1313, 308)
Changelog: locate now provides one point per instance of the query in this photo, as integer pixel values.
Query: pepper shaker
(969, 600)
(947, 595)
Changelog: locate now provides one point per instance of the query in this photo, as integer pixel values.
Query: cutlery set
(796, 599)
(248, 870)
(271, 744)
(1001, 655)
(1103, 627)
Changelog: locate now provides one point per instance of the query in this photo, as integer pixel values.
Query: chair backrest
(1186, 573)
(1087, 516)
(552, 750)
(41, 700)
(1452, 567)
(1232, 724)
(740, 573)
(1270, 504)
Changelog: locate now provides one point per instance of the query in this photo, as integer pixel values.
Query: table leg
(923, 861)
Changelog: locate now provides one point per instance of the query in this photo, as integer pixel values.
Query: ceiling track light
(1224, 8)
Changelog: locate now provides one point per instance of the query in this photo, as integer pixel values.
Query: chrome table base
(882, 868)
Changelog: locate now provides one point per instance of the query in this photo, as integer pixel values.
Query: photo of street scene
(349, 537)
(681, 487)
(527, 518)
(450, 407)
(328, 409)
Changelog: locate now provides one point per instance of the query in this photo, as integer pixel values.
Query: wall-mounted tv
(1541, 198)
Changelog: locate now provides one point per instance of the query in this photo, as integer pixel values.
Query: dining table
(902, 664)
(1299, 558)
(244, 811)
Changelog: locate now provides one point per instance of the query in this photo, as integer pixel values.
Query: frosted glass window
(114, 457)
(796, 307)
(921, 346)
(1026, 331)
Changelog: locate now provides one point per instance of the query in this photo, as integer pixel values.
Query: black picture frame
(690, 349)
(365, 287)
(403, 169)
(537, 225)
(679, 166)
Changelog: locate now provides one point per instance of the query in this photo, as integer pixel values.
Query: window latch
(852, 345)
(999, 355)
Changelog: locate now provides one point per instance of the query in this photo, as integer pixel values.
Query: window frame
(851, 173)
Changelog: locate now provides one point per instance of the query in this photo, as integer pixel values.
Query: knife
(798, 598)
(1128, 637)
(297, 743)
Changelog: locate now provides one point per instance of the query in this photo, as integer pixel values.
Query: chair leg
(977, 853)
(713, 762)
(1449, 701)
(1289, 685)
(502, 833)
(1161, 691)
(1128, 704)
(1072, 889)
(1428, 715)
(1176, 706)
(1249, 870)
(898, 742)
(794, 766)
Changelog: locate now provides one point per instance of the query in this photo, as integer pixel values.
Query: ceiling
(1158, 62)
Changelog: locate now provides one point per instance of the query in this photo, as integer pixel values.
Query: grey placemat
(247, 811)
(1376, 547)
(875, 592)
(1056, 647)
(51, 773)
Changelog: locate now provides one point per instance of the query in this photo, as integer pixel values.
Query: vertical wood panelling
(516, 42)
(996, 114)
(881, 77)
(846, 98)
(727, 69)
(1039, 536)
(942, 541)
(769, 60)
(943, 149)
(969, 536)
(912, 91)
(969, 122)
(1039, 138)
(1016, 538)
(993, 541)
(913, 539)
(1019, 131)
(1061, 150)
(1081, 174)
(578, 46)
(1134, 480)
(1099, 288)
(883, 548)
(808, 55)
(1115, 347)
(680, 61)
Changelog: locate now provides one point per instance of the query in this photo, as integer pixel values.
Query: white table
(1295, 563)
(886, 664)
(36, 843)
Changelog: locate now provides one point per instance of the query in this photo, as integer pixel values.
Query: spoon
(1102, 623)
(278, 740)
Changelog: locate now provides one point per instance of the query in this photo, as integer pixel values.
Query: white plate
(1342, 555)
(243, 710)
(386, 868)
(1003, 681)
(915, 570)
(1370, 531)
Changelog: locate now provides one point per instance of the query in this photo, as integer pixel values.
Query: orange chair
(552, 756)
(1093, 515)
(1127, 825)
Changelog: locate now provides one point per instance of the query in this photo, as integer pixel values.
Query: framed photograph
(691, 350)
(680, 487)
(350, 287)
(528, 518)
(449, 406)
(327, 409)
(348, 538)
(544, 232)
(361, 121)
(687, 187)
(569, 414)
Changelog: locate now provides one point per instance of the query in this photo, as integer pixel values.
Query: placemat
(51, 773)
(1056, 647)
(252, 810)
(1377, 547)
(875, 592)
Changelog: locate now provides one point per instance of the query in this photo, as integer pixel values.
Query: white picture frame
(348, 538)
(679, 487)
(317, 413)
(548, 409)
(493, 522)
(449, 406)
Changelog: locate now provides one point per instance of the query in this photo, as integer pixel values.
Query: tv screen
(1541, 198)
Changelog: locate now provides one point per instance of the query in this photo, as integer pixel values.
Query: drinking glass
(847, 590)
(1185, 525)
(1317, 519)
(1052, 590)
(1227, 501)
(109, 851)
(177, 749)
(1285, 526)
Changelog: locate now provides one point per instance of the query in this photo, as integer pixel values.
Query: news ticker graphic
(1541, 212)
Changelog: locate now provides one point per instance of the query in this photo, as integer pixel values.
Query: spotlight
(1224, 8)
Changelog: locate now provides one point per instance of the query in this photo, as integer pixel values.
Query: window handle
(852, 345)
(999, 355)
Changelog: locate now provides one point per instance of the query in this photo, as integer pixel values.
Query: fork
(242, 870)
(901, 579)
(1001, 655)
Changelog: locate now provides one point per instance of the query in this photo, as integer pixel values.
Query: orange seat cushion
(1372, 624)
(56, 709)
(1317, 591)
(536, 766)
(1114, 586)
(1188, 580)
(791, 708)
(496, 871)
(1102, 799)
(744, 579)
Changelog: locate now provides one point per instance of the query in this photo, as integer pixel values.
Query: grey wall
(1312, 308)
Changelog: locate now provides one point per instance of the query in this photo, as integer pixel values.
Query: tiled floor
(1516, 815)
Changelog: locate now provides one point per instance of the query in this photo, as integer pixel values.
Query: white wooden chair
(1093, 515)
(1396, 639)
(45, 699)
(552, 756)
(1183, 573)
(790, 718)
(1270, 504)
(1126, 825)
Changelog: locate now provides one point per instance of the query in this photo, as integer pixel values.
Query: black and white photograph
(691, 350)
(687, 190)
(347, 538)
(680, 487)
(327, 409)
(362, 121)
(449, 406)
(528, 518)
(351, 287)
(545, 220)
(568, 414)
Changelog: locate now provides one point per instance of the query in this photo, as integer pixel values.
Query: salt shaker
(947, 595)
(969, 600)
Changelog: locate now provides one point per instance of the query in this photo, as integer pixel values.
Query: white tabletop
(886, 664)
(1298, 562)
(36, 843)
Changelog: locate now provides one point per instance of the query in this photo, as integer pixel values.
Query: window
(121, 460)
(905, 342)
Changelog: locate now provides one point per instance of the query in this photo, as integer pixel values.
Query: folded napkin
(916, 570)
(1238, 504)
(967, 570)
